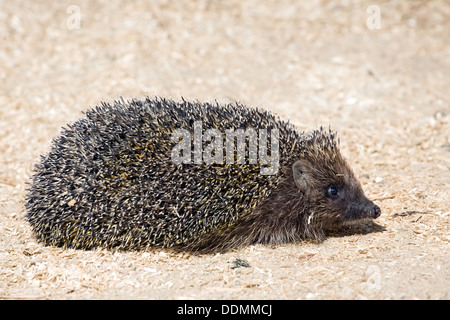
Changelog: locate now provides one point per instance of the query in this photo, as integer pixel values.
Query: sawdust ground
(385, 90)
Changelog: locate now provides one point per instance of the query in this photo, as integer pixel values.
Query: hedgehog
(159, 173)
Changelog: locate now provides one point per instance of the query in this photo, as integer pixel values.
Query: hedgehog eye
(332, 192)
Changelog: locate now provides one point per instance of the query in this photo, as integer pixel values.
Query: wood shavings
(294, 58)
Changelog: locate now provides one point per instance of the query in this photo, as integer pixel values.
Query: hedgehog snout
(363, 209)
(375, 211)
(370, 210)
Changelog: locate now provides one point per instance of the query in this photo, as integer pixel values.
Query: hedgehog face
(348, 202)
(332, 192)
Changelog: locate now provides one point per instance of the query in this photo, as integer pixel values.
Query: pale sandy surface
(386, 91)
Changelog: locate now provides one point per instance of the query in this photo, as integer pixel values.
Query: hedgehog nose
(375, 211)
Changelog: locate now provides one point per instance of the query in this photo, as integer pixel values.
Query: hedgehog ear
(299, 176)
